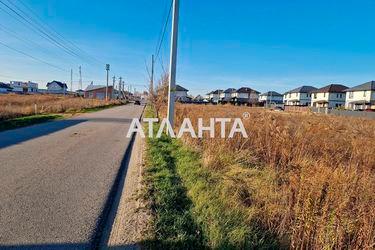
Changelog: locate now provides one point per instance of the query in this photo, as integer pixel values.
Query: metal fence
(327, 111)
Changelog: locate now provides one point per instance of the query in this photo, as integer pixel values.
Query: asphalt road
(55, 179)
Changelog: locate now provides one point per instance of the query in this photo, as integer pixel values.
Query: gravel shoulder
(131, 220)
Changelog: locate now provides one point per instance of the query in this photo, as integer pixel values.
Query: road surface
(56, 179)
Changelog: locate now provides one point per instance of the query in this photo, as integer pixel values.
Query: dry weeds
(13, 106)
(310, 179)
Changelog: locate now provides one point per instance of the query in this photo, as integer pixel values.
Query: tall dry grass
(13, 106)
(309, 179)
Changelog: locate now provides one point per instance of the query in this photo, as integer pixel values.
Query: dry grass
(13, 106)
(309, 179)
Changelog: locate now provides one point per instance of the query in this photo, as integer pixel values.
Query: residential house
(24, 87)
(5, 88)
(214, 96)
(300, 96)
(181, 94)
(361, 97)
(98, 92)
(198, 99)
(271, 97)
(56, 87)
(226, 96)
(246, 96)
(330, 96)
(80, 92)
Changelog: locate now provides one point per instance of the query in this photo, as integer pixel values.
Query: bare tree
(160, 98)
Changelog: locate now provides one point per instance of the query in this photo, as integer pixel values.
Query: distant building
(98, 92)
(214, 96)
(181, 94)
(198, 99)
(80, 92)
(271, 97)
(226, 95)
(5, 88)
(245, 95)
(361, 97)
(330, 96)
(299, 97)
(24, 87)
(56, 87)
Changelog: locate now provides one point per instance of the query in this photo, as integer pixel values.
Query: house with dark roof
(181, 94)
(271, 97)
(245, 95)
(300, 96)
(330, 96)
(214, 96)
(226, 95)
(56, 87)
(98, 92)
(361, 97)
(5, 88)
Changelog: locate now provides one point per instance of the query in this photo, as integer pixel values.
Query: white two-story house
(331, 96)
(299, 97)
(181, 94)
(214, 96)
(271, 97)
(24, 87)
(226, 96)
(361, 97)
(245, 95)
(56, 87)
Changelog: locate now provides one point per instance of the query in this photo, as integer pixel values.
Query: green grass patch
(90, 110)
(189, 205)
(27, 121)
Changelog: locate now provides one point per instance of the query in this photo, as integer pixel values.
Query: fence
(363, 114)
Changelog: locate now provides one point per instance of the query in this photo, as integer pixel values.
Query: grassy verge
(27, 121)
(190, 206)
(95, 109)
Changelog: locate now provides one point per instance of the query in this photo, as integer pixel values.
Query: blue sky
(266, 45)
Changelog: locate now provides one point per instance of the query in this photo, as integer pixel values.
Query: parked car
(137, 102)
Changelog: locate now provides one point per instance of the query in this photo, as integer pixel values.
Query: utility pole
(113, 89)
(71, 80)
(107, 67)
(121, 86)
(114, 81)
(152, 77)
(80, 77)
(173, 62)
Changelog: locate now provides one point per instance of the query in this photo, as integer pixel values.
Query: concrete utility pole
(152, 76)
(71, 80)
(114, 81)
(173, 62)
(121, 86)
(80, 78)
(107, 67)
(113, 89)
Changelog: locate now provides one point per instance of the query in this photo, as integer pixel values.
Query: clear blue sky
(266, 45)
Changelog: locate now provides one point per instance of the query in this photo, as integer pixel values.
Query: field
(15, 106)
(299, 181)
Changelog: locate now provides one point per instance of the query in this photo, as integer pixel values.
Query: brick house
(97, 92)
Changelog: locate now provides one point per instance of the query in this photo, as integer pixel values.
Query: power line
(33, 57)
(40, 30)
(164, 29)
(59, 34)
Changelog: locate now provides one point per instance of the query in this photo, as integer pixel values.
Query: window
(290, 95)
(324, 94)
(364, 93)
(350, 95)
(315, 95)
